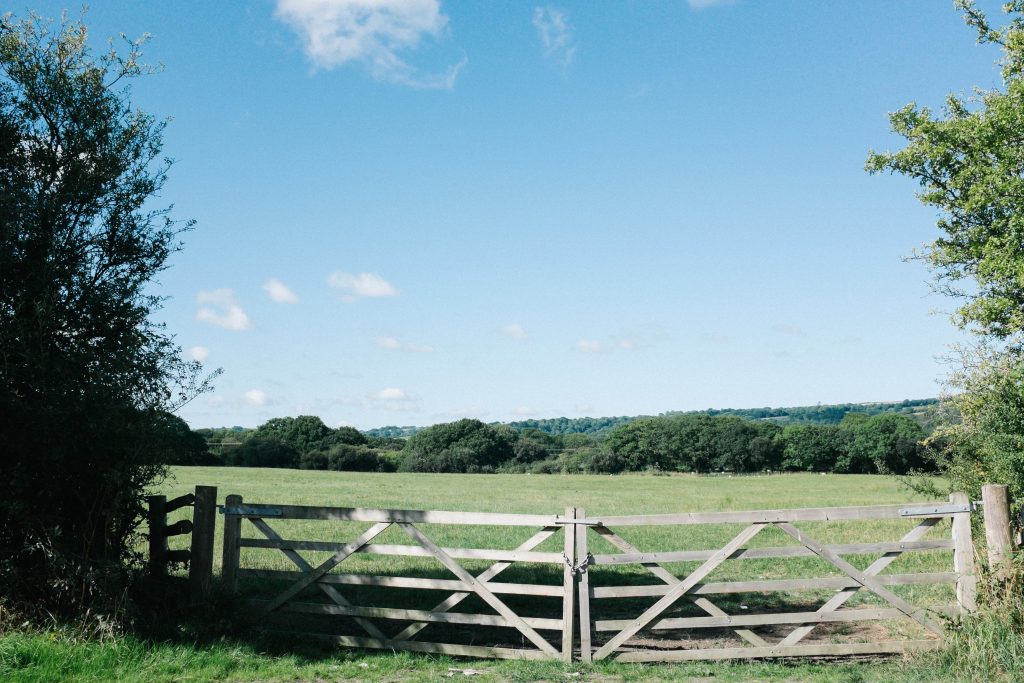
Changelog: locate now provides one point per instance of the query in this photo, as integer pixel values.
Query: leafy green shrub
(87, 379)
(346, 458)
(548, 466)
(462, 446)
(390, 460)
(886, 443)
(811, 447)
(263, 451)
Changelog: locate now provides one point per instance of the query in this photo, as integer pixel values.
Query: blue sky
(410, 211)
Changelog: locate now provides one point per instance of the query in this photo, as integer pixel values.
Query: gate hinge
(936, 510)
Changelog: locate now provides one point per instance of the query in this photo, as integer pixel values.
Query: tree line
(922, 410)
(859, 444)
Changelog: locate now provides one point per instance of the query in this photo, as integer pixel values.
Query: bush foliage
(87, 381)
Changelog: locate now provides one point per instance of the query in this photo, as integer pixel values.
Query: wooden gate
(779, 629)
(376, 624)
(826, 596)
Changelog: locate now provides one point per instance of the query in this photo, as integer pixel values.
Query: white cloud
(555, 33)
(280, 292)
(391, 394)
(513, 330)
(525, 411)
(361, 285)
(199, 353)
(626, 344)
(589, 346)
(222, 310)
(372, 33)
(394, 398)
(398, 345)
(257, 397)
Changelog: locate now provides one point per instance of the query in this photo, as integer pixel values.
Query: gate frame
(577, 590)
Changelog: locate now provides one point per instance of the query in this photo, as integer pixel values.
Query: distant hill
(922, 410)
(392, 432)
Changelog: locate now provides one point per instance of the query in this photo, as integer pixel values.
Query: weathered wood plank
(396, 516)
(678, 590)
(494, 555)
(766, 516)
(876, 567)
(963, 557)
(156, 515)
(671, 579)
(829, 650)
(868, 582)
(584, 592)
(181, 501)
(568, 584)
(479, 588)
(433, 648)
(327, 565)
(544, 590)
(330, 591)
(776, 552)
(996, 501)
(758, 619)
(203, 527)
(411, 615)
(231, 555)
(179, 528)
(773, 585)
(452, 600)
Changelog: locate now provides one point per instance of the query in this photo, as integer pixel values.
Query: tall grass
(989, 645)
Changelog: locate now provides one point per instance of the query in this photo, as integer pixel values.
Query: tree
(85, 375)
(886, 443)
(462, 446)
(307, 433)
(969, 164)
(811, 447)
(181, 445)
(263, 451)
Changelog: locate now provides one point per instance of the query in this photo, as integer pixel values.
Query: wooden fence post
(232, 535)
(997, 529)
(963, 556)
(568, 585)
(586, 653)
(204, 523)
(157, 518)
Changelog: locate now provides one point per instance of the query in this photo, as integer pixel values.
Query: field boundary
(479, 611)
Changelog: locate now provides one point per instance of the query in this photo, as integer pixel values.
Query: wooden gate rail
(398, 628)
(673, 588)
(463, 585)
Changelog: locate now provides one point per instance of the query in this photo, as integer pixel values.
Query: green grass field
(542, 494)
(551, 494)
